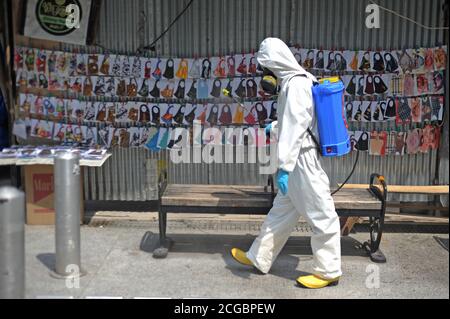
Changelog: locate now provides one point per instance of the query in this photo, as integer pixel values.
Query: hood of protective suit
(276, 56)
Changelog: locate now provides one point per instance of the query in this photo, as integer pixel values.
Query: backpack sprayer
(329, 106)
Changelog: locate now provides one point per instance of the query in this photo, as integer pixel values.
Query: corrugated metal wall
(213, 27)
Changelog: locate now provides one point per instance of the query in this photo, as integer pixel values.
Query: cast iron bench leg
(164, 241)
(373, 245)
(376, 224)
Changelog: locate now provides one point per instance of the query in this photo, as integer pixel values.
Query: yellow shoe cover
(315, 282)
(240, 257)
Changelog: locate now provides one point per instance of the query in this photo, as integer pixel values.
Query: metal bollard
(12, 243)
(67, 209)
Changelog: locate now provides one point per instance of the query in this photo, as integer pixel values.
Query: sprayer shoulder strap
(309, 129)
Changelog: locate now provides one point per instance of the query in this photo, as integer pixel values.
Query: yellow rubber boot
(240, 257)
(315, 282)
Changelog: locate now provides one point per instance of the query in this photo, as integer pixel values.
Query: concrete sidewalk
(119, 264)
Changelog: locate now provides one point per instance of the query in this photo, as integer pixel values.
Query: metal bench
(240, 199)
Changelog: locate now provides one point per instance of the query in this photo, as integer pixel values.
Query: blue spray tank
(329, 105)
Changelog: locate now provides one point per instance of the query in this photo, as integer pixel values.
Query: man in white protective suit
(304, 187)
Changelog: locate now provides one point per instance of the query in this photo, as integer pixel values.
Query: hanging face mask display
(43, 82)
(155, 92)
(148, 69)
(105, 65)
(116, 66)
(156, 114)
(252, 66)
(111, 113)
(192, 93)
(136, 69)
(179, 115)
(206, 69)
(167, 91)
(183, 69)
(52, 62)
(320, 61)
(216, 89)
(219, 69)
(413, 141)
(122, 113)
(89, 112)
(242, 67)
(378, 62)
(362, 143)
(231, 66)
(403, 111)
(440, 58)
(81, 64)
(195, 69)
(419, 60)
(309, 60)
(110, 89)
(357, 112)
(144, 90)
(250, 114)
(213, 115)
(144, 113)
(29, 60)
(331, 63)
(405, 61)
(351, 86)
(169, 70)
(378, 141)
(225, 116)
(369, 88)
(416, 110)
(202, 89)
(366, 112)
(189, 115)
(261, 113)
(101, 112)
(181, 87)
(409, 85)
(167, 117)
(99, 86)
(365, 62)
(390, 110)
(133, 112)
(41, 61)
(391, 64)
(273, 111)
(380, 86)
(437, 108)
(132, 88)
(438, 82)
(87, 86)
(360, 90)
(241, 90)
(93, 64)
(354, 61)
(126, 67)
(349, 111)
(341, 63)
(377, 111)
(252, 88)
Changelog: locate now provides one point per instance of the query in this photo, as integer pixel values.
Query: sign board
(58, 20)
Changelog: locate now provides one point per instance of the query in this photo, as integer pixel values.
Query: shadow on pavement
(442, 241)
(48, 260)
(222, 244)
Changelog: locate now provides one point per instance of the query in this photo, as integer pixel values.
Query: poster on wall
(58, 20)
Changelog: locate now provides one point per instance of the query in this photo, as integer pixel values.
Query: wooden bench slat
(253, 196)
(427, 189)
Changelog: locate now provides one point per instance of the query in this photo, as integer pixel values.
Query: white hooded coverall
(308, 186)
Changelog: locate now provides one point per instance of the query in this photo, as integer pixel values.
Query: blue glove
(282, 181)
(268, 128)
